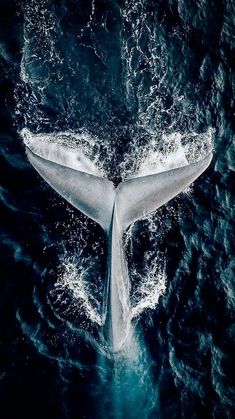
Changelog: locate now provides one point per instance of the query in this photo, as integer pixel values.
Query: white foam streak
(68, 149)
(166, 153)
(73, 279)
(152, 287)
(157, 161)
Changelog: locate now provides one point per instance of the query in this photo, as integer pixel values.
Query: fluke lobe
(115, 209)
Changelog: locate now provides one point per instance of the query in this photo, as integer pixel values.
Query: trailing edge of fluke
(115, 209)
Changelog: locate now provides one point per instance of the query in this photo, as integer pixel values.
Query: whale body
(115, 208)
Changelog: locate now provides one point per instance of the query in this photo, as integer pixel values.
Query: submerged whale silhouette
(115, 208)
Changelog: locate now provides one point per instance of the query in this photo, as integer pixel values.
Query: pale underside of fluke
(115, 209)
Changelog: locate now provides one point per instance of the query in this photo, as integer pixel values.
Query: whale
(115, 208)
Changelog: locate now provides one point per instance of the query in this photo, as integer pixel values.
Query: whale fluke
(115, 209)
(92, 195)
(141, 196)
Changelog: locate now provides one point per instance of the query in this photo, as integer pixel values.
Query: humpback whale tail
(115, 209)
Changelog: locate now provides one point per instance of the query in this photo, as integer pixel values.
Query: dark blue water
(131, 76)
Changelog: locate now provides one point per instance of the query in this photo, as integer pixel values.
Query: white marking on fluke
(115, 209)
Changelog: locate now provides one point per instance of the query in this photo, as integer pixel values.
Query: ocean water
(121, 89)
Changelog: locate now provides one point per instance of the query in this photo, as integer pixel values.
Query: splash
(152, 285)
(69, 149)
(73, 277)
(82, 151)
(168, 152)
